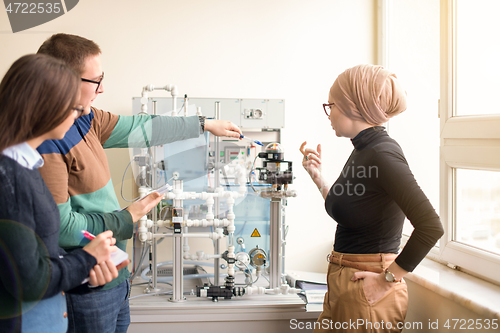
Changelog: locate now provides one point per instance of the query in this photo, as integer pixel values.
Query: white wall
(291, 49)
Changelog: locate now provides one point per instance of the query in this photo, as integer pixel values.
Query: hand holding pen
(101, 246)
(106, 271)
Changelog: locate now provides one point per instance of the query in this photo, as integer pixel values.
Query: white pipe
(284, 290)
(200, 255)
(185, 244)
(206, 223)
(210, 206)
(149, 88)
(196, 223)
(211, 235)
(143, 221)
(173, 92)
(178, 195)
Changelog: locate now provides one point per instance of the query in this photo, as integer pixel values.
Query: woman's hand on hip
(375, 286)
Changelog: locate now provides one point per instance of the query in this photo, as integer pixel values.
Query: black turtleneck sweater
(371, 198)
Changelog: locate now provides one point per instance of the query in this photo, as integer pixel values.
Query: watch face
(389, 277)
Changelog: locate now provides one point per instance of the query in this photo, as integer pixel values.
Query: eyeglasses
(96, 82)
(79, 109)
(327, 108)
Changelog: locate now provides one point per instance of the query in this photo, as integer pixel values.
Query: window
(477, 220)
(477, 55)
(470, 136)
(408, 44)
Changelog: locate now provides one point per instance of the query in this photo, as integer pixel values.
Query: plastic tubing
(189, 276)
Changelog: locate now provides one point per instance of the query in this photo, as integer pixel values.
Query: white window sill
(477, 295)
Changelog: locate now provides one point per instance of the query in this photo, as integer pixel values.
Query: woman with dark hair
(369, 201)
(38, 96)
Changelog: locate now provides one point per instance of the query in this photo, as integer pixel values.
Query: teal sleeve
(145, 131)
(72, 223)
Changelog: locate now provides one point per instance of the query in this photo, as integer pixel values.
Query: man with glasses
(77, 174)
(95, 82)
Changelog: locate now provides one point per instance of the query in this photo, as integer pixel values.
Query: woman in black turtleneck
(369, 201)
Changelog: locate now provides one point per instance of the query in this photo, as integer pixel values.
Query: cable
(159, 294)
(250, 174)
(248, 268)
(143, 283)
(161, 176)
(182, 108)
(164, 215)
(143, 256)
(204, 270)
(133, 249)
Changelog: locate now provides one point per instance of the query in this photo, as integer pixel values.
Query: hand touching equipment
(222, 128)
(141, 207)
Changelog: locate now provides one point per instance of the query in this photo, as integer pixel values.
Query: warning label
(255, 233)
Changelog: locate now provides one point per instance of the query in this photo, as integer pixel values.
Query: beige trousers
(345, 308)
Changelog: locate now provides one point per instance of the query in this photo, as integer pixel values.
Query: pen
(246, 138)
(87, 235)
(117, 257)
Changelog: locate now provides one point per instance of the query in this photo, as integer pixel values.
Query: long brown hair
(36, 95)
(72, 49)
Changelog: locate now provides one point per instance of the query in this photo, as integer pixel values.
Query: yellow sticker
(255, 233)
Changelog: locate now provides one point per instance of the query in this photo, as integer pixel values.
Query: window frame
(469, 142)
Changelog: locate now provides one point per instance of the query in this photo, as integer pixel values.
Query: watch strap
(386, 272)
(202, 123)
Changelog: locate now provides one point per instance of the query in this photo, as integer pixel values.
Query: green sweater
(77, 174)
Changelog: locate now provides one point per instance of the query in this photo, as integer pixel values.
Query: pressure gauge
(257, 257)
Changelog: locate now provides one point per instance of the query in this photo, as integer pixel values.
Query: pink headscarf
(369, 93)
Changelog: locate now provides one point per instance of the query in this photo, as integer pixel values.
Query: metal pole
(283, 240)
(153, 182)
(275, 252)
(216, 200)
(178, 283)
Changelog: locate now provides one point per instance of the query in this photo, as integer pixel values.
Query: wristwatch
(202, 123)
(389, 277)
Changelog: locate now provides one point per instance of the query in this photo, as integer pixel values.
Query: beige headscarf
(368, 92)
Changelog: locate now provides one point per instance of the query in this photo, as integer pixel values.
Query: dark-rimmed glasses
(79, 109)
(327, 108)
(96, 82)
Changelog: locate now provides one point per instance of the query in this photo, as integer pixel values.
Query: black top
(30, 264)
(371, 197)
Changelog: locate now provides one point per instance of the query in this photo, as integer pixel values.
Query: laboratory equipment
(216, 194)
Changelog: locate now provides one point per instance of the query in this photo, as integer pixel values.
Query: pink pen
(117, 257)
(87, 235)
